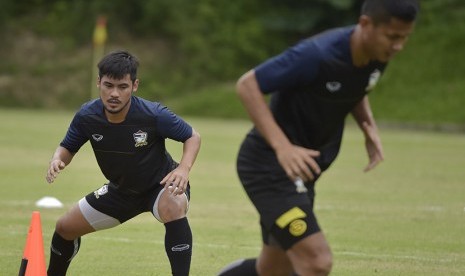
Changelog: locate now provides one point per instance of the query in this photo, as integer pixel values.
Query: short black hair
(381, 11)
(118, 64)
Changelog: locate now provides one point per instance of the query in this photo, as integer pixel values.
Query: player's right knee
(72, 225)
(63, 230)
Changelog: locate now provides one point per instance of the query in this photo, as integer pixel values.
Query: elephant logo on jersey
(373, 80)
(140, 138)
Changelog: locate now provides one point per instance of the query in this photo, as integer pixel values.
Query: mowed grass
(407, 217)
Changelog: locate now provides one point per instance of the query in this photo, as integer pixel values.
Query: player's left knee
(320, 264)
(172, 207)
(274, 268)
(323, 263)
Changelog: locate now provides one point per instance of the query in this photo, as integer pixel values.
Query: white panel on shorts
(96, 219)
(155, 205)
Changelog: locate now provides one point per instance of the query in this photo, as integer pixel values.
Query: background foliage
(192, 52)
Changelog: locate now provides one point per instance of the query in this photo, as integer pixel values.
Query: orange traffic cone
(33, 263)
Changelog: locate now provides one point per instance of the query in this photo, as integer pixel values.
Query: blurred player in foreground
(314, 86)
(127, 134)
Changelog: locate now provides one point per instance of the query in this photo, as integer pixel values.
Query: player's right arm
(60, 159)
(296, 161)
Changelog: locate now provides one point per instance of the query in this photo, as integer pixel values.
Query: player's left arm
(364, 117)
(179, 177)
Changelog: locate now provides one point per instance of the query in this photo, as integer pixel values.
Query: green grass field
(407, 217)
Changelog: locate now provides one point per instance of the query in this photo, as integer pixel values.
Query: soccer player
(313, 85)
(127, 134)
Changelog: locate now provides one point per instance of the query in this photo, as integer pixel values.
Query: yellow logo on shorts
(297, 227)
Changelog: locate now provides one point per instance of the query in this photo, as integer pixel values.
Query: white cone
(49, 202)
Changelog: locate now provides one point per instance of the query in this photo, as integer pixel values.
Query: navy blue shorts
(124, 206)
(286, 213)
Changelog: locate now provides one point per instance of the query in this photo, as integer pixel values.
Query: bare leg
(66, 240)
(311, 256)
(73, 224)
(172, 207)
(273, 261)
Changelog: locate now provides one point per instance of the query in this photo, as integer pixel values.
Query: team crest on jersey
(140, 138)
(333, 86)
(373, 80)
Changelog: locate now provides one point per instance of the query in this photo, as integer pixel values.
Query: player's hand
(373, 146)
(56, 166)
(299, 162)
(176, 181)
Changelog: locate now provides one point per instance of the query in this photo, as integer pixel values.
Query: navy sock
(245, 267)
(61, 253)
(178, 246)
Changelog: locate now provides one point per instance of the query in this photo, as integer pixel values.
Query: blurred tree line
(205, 40)
(206, 33)
(197, 49)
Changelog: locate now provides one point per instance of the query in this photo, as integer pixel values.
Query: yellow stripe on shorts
(289, 216)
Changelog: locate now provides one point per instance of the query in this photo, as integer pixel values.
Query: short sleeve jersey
(313, 86)
(132, 154)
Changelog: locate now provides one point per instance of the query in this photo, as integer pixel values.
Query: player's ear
(364, 20)
(135, 86)
(98, 81)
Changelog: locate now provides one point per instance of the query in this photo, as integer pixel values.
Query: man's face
(384, 40)
(116, 93)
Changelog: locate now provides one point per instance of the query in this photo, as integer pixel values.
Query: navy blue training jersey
(131, 154)
(313, 86)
